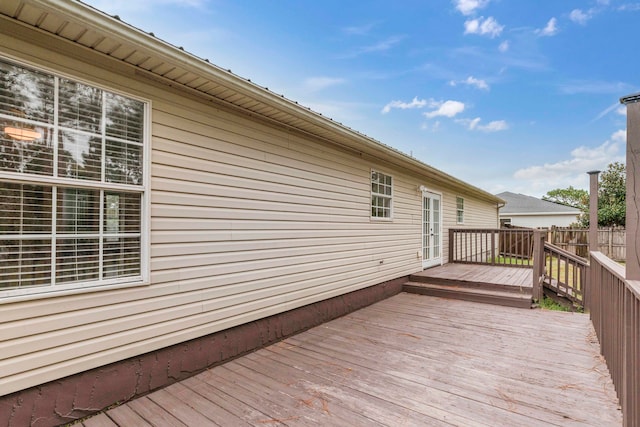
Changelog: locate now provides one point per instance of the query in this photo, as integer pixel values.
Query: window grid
(75, 256)
(381, 195)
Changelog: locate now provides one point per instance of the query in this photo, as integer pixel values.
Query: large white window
(381, 194)
(72, 185)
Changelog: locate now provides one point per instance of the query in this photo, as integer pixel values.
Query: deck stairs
(470, 290)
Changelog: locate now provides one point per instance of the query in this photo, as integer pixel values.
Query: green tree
(612, 193)
(612, 196)
(574, 197)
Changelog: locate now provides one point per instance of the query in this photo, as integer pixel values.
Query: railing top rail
(491, 230)
(567, 254)
(613, 267)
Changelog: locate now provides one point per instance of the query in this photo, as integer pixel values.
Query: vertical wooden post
(538, 264)
(628, 403)
(593, 234)
(593, 210)
(451, 244)
(633, 181)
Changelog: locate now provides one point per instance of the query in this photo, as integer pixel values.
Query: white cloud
(594, 87)
(415, 103)
(471, 81)
(494, 126)
(551, 28)
(381, 46)
(469, 7)
(479, 83)
(485, 27)
(622, 110)
(572, 171)
(314, 84)
(446, 109)
(580, 17)
(631, 7)
(504, 46)
(359, 30)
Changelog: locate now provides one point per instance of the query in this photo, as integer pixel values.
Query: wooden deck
(408, 360)
(502, 276)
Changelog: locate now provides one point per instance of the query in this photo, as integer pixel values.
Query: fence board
(611, 241)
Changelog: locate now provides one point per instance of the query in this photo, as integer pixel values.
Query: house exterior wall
(247, 220)
(541, 221)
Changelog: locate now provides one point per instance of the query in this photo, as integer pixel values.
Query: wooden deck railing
(504, 246)
(565, 273)
(614, 306)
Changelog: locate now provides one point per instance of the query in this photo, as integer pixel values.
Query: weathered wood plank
(100, 420)
(123, 415)
(154, 414)
(408, 360)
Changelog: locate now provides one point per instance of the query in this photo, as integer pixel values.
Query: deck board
(478, 273)
(407, 360)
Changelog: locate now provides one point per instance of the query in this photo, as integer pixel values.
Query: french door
(431, 229)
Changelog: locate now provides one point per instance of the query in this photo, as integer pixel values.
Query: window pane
(125, 118)
(122, 213)
(123, 163)
(25, 148)
(80, 106)
(25, 209)
(79, 156)
(121, 257)
(78, 211)
(25, 93)
(25, 263)
(77, 260)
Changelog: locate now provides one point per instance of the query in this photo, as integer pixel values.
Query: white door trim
(431, 250)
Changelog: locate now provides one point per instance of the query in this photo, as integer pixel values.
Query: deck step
(461, 282)
(470, 293)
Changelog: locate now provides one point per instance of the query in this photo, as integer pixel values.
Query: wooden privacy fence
(611, 241)
(504, 246)
(614, 306)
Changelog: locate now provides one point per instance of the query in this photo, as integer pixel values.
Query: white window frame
(51, 290)
(384, 196)
(459, 211)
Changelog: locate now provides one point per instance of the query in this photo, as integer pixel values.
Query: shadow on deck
(407, 360)
(498, 285)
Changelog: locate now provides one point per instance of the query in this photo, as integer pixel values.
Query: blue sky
(509, 95)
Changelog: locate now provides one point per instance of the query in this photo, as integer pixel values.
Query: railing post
(451, 233)
(593, 210)
(493, 247)
(629, 405)
(593, 233)
(538, 264)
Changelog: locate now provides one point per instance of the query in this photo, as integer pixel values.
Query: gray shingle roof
(520, 203)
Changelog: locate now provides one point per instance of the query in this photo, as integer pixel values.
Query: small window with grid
(381, 195)
(459, 210)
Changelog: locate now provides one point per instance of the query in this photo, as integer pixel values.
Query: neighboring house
(160, 214)
(527, 211)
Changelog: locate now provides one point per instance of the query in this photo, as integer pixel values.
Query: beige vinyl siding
(247, 220)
